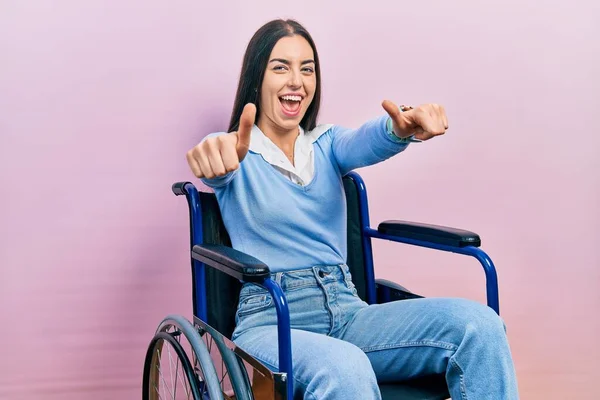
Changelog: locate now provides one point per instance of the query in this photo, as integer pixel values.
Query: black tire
(150, 377)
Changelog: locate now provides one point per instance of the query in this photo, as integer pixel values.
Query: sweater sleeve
(367, 145)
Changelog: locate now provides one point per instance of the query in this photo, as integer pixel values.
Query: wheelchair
(197, 360)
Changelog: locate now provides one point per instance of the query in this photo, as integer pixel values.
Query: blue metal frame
(284, 333)
(368, 233)
(196, 237)
(491, 279)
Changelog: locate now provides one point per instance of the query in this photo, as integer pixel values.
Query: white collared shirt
(303, 169)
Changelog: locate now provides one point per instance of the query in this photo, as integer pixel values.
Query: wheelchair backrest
(222, 291)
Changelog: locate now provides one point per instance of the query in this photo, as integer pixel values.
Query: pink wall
(100, 100)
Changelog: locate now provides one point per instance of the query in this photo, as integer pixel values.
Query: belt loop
(345, 272)
(278, 276)
(316, 272)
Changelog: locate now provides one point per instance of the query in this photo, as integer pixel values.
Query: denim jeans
(342, 347)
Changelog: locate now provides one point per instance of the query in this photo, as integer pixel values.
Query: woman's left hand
(424, 122)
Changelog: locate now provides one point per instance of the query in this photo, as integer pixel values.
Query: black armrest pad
(233, 262)
(430, 233)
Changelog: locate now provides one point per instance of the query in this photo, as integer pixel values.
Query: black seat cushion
(428, 388)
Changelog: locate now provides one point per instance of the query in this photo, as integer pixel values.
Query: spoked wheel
(192, 370)
(233, 377)
(168, 373)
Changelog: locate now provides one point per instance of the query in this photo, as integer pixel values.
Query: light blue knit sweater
(288, 226)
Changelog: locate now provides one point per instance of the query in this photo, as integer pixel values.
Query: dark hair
(255, 64)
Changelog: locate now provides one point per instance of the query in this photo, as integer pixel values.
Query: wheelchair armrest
(430, 233)
(232, 262)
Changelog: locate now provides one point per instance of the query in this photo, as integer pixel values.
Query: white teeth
(292, 98)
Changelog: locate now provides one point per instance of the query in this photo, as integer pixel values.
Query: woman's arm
(373, 142)
(369, 144)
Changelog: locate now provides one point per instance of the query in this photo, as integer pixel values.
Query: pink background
(100, 100)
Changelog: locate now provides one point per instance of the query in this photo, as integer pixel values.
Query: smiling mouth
(291, 105)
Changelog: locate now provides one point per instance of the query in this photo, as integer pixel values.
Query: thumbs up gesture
(217, 156)
(424, 122)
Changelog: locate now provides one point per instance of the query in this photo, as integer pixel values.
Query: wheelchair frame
(285, 375)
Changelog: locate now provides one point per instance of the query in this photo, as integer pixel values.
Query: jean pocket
(254, 303)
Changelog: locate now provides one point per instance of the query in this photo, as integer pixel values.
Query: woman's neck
(285, 139)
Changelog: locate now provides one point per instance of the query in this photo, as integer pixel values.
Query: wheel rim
(208, 381)
(169, 375)
(218, 371)
(233, 377)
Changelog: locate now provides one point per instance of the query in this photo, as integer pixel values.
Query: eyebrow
(286, 62)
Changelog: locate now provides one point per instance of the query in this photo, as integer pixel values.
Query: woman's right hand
(217, 156)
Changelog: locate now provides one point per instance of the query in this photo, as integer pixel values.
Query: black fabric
(222, 291)
(387, 291)
(356, 260)
(427, 388)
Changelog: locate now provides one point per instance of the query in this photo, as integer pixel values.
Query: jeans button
(322, 274)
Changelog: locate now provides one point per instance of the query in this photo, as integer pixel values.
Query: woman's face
(289, 83)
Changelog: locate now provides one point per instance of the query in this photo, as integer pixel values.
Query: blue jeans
(341, 346)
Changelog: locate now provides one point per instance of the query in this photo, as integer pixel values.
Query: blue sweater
(288, 226)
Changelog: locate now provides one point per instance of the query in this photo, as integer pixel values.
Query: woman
(277, 177)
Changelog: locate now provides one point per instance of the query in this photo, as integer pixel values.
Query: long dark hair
(255, 64)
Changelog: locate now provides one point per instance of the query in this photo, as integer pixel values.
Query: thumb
(244, 130)
(403, 123)
(392, 109)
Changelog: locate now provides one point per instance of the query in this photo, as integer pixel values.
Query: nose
(295, 78)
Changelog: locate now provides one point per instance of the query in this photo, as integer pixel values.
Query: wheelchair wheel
(192, 361)
(233, 372)
(168, 373)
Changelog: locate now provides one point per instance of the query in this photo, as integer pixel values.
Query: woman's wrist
(394, 135)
